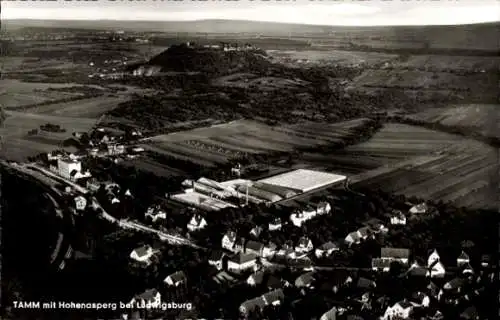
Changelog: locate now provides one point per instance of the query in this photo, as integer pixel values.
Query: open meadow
(18, 145)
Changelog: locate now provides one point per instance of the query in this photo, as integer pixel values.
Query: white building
(228, 240)
(324, 208)
(197, 222)
(398, 218)
(463, 259)
(150, 296)
(143, 254)
(326, 249)
(433, 257)
(419, 208)
(155, 213)
(436, 270)
(80, 203)
(242, 261)
(275, 224)
(401, 310)
(176, 279)
(305, 245)
(68, 168)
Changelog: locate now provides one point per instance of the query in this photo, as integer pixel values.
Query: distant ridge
(482, 36)
(214, 25)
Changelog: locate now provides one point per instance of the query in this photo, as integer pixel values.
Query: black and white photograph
(260, 160)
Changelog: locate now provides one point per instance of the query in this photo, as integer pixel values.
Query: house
(305, 280)
(400, 310)
(128, 193)
(437, 316)
(252, 305)
(299, 217)
(256, 278)
(323, 208)
(420, 299)
(197, 222)
(365, 283)
(274, 298)
(470, 314)
(454, 285)
(269, 250)
(436, 270)
(215, 259)
(275, 224)
(155, 213)
(395, 254)
(148, 296)
(112, 198)
(467, 269)
(419, 208)
(228, 240)
(433, 257)
(364, 233)
(379, 264)
(463, 259)
(376, 226)
(416, 270)
(326, 249)
(352, 238)
(485, 260)
(242, 261)
(93, 184)
(80, 203)
(434, 291)
(254, 247)
(176, 279)
(305, 245)
(256, 231)
(398, 218)
(143, 254)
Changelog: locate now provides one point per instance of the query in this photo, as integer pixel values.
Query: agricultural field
(455, 169)
(149, 165)
(88, 108)
(17, 145)
(404, 78)
(332, 57)
(485, 118)
(452, 63)
(219, 143)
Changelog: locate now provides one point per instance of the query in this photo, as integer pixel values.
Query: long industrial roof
(304, 180)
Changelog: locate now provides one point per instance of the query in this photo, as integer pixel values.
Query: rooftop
(303, 180)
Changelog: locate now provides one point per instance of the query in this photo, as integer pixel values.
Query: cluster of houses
(434, 290)
(375, 226)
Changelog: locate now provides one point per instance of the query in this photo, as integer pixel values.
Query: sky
(318, 12)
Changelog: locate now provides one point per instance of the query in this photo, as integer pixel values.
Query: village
(299, 243)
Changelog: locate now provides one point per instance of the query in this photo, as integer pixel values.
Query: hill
(181, 58)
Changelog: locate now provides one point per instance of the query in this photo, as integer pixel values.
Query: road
(163, 236)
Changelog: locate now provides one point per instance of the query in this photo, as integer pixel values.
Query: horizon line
(257, 21)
